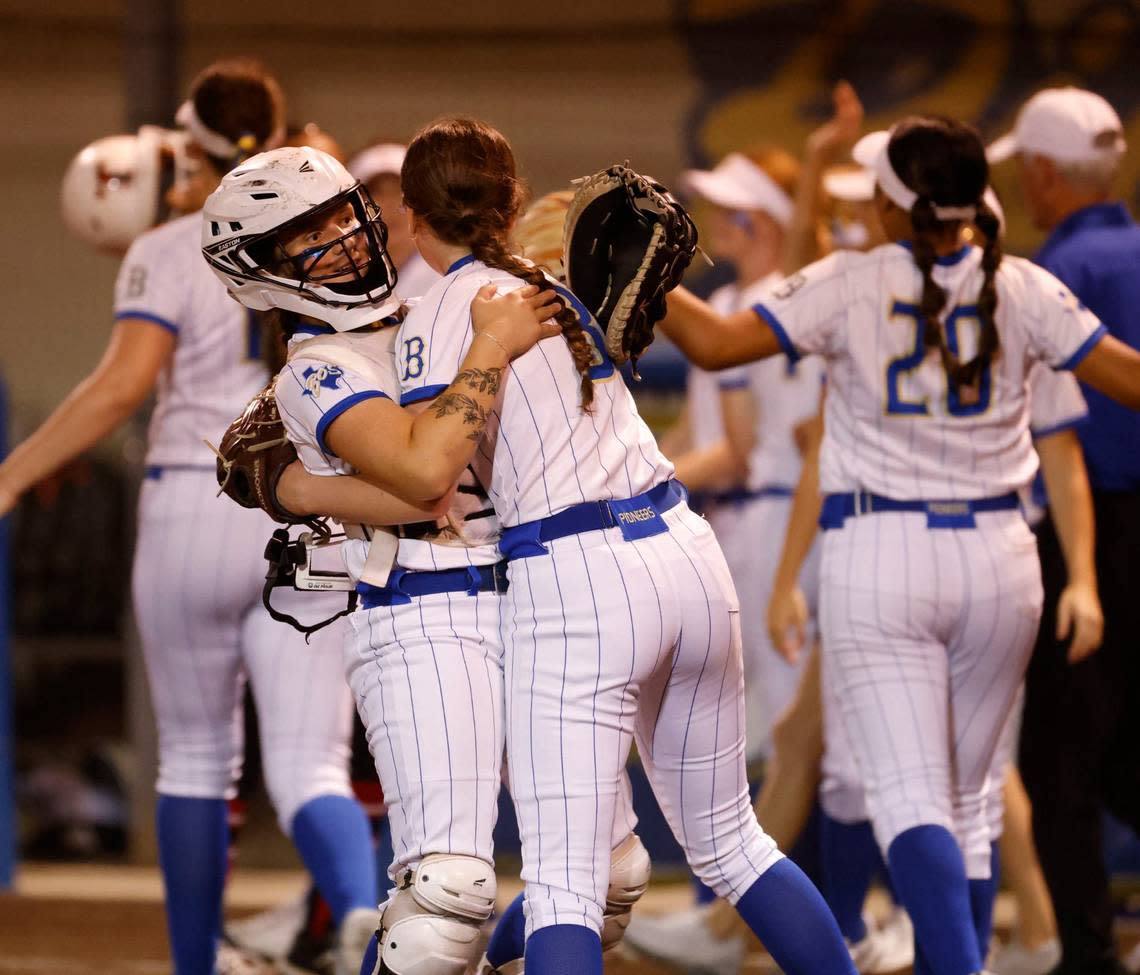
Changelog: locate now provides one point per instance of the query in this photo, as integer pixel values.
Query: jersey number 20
(906, 364)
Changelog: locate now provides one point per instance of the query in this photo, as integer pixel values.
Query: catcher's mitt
(253, 453)
(627, 243)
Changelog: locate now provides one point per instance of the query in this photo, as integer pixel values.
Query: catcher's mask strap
(284, 556)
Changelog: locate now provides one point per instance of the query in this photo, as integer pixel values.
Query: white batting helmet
(112, 190)
(266, 200)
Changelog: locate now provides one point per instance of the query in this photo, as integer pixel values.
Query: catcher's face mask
(340, 246)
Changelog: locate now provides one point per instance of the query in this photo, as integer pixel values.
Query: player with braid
(198, 566)
(930, 587)
(292, 230)
(620, 621)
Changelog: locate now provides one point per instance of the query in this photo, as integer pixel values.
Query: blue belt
(403, 585)
(154, 471)
(740, 495)
(837, 508)
(637, 517)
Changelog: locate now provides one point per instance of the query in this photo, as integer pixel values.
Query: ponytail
(959, 375)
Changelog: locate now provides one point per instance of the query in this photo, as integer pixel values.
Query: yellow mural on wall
(767, 68)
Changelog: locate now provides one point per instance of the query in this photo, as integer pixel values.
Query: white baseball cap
(386, 158)
(1070, 125)
(853, 184)
(737, 183)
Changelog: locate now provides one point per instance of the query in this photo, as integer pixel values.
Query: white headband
(871, 152)
(216, 144)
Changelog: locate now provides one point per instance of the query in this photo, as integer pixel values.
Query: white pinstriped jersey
(892, 426)
(540, 453)
(311, 393)
(415, 277)
(784, 395)
(216, 368)
(703, 388)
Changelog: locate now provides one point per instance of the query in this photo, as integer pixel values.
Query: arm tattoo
(474, 415)
(481, 380)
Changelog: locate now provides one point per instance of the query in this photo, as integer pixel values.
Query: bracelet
(487, 335)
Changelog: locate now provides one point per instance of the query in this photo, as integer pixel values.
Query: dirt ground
(109, 920)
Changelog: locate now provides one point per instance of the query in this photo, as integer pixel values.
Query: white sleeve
(1060, 330)
(1055, 401)
(152, 283)
(311, 394)
(435, 337)
(807, 309)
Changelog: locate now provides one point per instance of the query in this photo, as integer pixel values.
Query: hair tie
(247, 143)
(956, 213)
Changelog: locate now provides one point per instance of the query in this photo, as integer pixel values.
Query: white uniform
(926, 629)
(199, 570)
(1055, 404)
(415, 276)
(427, 671)
(609, 640)
(750, 522)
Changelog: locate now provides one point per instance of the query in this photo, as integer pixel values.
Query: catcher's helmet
(267, 201)
(112, 190)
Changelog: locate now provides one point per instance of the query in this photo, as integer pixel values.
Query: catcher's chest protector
(371, 355)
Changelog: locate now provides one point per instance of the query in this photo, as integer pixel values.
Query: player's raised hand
(787, 621)
(517, 320)
(1079, 614)
(841, 130)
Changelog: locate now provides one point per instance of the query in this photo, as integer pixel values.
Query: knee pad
(431, 925)
(629, 878)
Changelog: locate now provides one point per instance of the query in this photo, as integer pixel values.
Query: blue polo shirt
(1096, 252)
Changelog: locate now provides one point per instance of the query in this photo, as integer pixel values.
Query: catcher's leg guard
(629, 878)
(431, 925)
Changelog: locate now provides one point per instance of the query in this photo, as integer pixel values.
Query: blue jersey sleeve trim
(1069, 424)
(424, 392)
(781, 333)
(337, 409)
(728, 385)
(146, 316)
(1085, 348)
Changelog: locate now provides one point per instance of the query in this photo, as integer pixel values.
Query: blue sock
(702, 893)
(792, 920)
(332, 835)
(850, 859)
(385, 854)
(368, 965)
(982, 895)
(563, 949)
(508, 940)
(192, 842)
(930, 877)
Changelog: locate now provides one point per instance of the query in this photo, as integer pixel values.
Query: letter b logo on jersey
(413, 357)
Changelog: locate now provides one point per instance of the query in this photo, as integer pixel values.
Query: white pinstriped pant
(841, 792)
(751, 535)
(610, 641)
(198, 573)
(926, 636)
(428, 681)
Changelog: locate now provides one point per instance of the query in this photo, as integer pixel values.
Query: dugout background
(663, 83)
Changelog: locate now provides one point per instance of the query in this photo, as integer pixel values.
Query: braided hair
(944, 162)
(459, 175)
